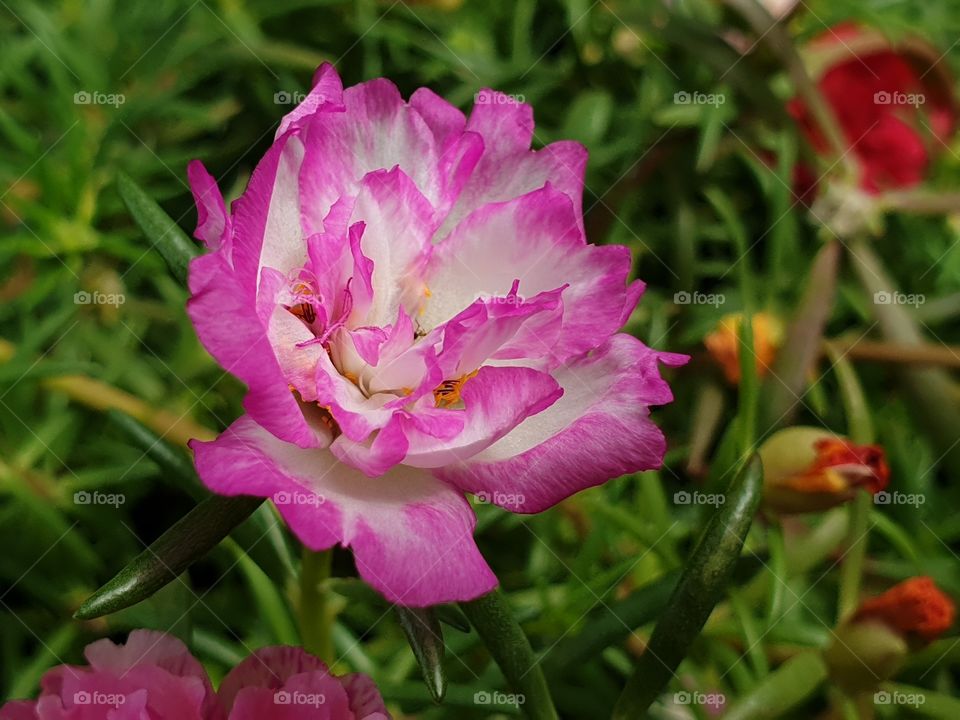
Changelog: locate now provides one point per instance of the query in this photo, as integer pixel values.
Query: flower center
(447, 393)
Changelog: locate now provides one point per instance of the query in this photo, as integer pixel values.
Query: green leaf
(932, 390)
(797, 358)
(192, 537)
(789, 685)
(422, 629)
(700, 587)
(167, 237)
(157, 449)
(268, 600)
(453, 616)
(611, 626)
(507, 643)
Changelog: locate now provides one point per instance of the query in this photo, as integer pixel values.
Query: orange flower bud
(723, 344)
(916, 608)
(809, 469)
(873, 644)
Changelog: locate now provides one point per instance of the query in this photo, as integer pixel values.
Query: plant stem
(772, 32)
(315, 616)
(510, 648)
(852, 571)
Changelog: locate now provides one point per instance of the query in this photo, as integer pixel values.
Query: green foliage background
(199, 81)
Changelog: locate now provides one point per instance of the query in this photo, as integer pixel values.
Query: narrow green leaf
(797, 358)
(510, 648)
(855, 406)
(453, 616)
(422, 629)
(932, 390)
(779, 691)
(192, 537)
(154, 447)
(269, 602)
(925, 703)
(611, 626)
(700, 587)
(165, 235)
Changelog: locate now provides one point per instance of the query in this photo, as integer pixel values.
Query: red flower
(916, 608)
(891, 103)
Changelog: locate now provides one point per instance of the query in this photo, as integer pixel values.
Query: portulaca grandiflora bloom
(409, 297)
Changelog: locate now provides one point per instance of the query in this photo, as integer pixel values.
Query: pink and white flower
(154, 676)
(410, 298)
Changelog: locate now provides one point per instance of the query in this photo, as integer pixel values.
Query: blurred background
(697, 163)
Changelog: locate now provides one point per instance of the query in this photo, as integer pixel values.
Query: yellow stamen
(447, 393)
(423, 306)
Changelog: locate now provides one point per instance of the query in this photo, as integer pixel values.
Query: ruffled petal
(495, 401)
(398, 223)
(598, 430)
(326, 95)
(268, 667)
(224, 314)
(412, 535)
(377, 131)
(213, 221)
(535, 239)
(508, 167)
(307, 696)
(266, 218)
